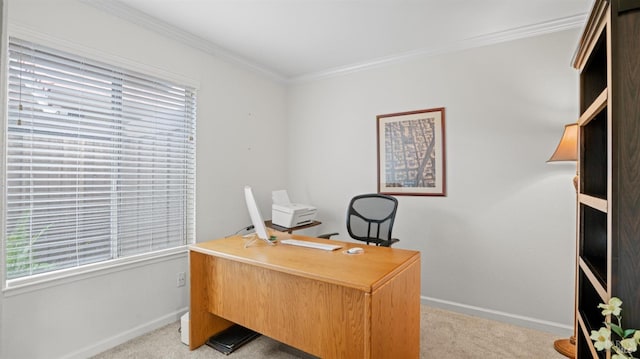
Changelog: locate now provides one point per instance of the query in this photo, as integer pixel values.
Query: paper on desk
(280, 197)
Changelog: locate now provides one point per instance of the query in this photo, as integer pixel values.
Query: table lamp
(567, 150)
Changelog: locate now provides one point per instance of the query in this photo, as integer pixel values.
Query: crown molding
(522, 32)
(128, 13)
(138, 17)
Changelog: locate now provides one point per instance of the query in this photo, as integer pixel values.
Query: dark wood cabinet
(608, 263)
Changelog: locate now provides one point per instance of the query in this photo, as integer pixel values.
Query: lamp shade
(567, 149)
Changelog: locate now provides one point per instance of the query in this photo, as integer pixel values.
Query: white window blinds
(99, 162)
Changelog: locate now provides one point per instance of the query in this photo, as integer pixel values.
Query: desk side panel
(323, 319)
(202, 324)
(395, 316)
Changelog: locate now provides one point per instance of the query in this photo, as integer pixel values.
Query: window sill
(47, 280)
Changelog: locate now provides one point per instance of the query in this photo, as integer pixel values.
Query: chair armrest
(327, 235)
(389, 242)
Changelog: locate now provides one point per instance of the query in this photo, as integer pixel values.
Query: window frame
(33, 282)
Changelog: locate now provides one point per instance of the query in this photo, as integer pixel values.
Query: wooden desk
(270, 224)
(329, 304)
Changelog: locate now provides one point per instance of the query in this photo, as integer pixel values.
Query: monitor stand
(231, 339)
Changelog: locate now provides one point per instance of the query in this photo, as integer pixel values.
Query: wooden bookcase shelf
(598, 203)
(608, 242)
(587, 270)
(595, 108)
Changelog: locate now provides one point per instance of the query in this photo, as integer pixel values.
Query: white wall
(241, 117)
(501, 243)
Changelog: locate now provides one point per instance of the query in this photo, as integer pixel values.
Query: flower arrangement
(626, 346)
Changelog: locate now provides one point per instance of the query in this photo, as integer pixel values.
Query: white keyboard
(323, 246)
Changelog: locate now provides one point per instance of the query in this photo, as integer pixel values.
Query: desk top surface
(365, 271)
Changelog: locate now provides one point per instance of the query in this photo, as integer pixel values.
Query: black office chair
(370, 219)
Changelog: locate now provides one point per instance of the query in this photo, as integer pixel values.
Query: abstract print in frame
(411, 158)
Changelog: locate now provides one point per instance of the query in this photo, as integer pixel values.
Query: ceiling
(294, 39)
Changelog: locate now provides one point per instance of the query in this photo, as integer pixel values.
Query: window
(99, 162)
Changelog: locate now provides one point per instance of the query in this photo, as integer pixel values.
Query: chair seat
(382, 242)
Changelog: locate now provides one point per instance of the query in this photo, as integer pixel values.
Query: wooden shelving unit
(608, 247)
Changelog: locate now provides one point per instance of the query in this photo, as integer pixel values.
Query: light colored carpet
(443, 335)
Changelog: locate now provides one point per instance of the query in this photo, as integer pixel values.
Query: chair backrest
(370, 218)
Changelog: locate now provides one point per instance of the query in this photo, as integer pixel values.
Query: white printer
(287, 214)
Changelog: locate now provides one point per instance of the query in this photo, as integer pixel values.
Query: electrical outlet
(182, 279)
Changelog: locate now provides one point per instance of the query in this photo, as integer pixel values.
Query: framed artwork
(411, 153)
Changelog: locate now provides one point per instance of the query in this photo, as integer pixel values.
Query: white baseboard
(123, 337)
(519, 320)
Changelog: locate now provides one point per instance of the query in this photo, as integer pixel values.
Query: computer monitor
(256, 217)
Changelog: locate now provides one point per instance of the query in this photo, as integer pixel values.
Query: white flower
(601, 338)
(629, 345)
(629, 338)
(613, 307)
(620, 353)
